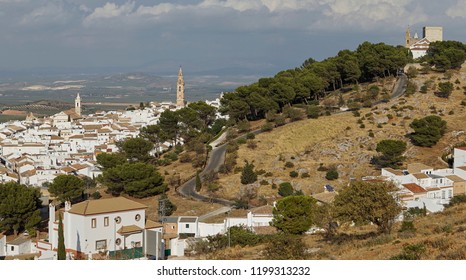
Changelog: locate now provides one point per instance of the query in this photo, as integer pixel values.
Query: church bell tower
(77, 105)
(180, 102)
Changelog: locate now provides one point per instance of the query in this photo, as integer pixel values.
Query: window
(93, 223)
(101, 244)
(138, 217)
(105, 221)
(443, 194)
(118, 220)
(450, 193)
(118, 241)
(187, 225)
(12, 248)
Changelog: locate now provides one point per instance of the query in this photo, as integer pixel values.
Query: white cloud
(50, 13)
(369, 14)
(156, 10)
(110, 10)
(458, 10)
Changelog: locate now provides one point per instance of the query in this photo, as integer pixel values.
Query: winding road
(217, 155)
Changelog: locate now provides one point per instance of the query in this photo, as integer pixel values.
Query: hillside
(436, 237)
(345, 142)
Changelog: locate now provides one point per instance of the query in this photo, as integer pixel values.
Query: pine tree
(61, 240)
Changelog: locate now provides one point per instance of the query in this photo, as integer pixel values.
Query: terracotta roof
(455, 178)
(462, 168)
(79, 166)
(68, 169)
(462, 148)
(28, 173)
(117, 204)
(420, 176)
(417, 167)
(152, 224)
(129, 229)
(263, 210)
(414, 188)
(432, 189)
(446, 187)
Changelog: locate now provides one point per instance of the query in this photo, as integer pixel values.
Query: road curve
(217, 157)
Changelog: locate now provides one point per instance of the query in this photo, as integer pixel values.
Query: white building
(115, 228)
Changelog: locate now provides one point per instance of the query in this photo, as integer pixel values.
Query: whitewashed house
(114, 227)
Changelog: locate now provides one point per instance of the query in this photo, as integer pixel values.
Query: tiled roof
(109, 205)
(455, 178)
(414, 188)
(129, 229)
(152, 224)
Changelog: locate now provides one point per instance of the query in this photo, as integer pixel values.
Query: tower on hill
(77, 105)
(180, 102)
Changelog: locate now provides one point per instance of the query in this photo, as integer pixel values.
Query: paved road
(216, 158)
(217, 155)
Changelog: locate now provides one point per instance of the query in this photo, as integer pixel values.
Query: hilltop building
(419, 46)
(180, 101)
(77, 105)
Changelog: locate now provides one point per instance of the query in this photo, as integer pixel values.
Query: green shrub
(322, 168)
(96, 195)
(294, 174)
(305, 175)
(264, 182)
(241, 141)
(267, 127)
(285, 189)
(250, 135)
(332, 174)
(289, 164)
(268, 174)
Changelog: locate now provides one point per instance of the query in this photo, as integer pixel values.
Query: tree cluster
(19, 207)
(428, 130)
(193, 122)
(446, 55)
(312, 80)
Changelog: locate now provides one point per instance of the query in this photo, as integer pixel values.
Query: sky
(205, 36)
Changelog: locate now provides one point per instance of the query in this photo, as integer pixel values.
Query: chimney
(67, 206)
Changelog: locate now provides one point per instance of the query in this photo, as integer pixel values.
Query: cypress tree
(61, 240)
(248, 176)
(198, 182)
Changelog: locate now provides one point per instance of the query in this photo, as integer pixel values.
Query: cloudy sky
(259, 36)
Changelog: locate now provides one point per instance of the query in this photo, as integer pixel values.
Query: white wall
(2, 246)
(460, 158)
(206, 229)
(81, 226)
